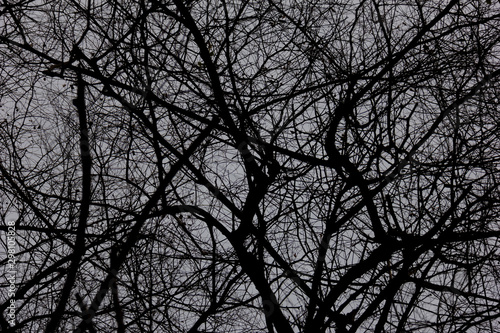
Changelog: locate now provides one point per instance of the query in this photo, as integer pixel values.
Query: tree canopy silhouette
(251, 166)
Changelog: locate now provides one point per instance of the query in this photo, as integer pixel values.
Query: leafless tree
(251, 166)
